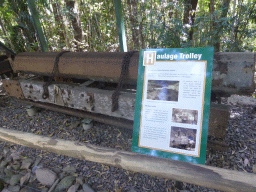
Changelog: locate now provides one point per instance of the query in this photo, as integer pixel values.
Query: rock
(54, 185)
(45, 176)
(246, 162)
(25, 179)
(62, 175)
(32, 111)
(26, 163)
(35, 168)
(32, 178)
(242, 100)
(5, 190)
(132, 190)
(8, 172)
(44, 189)
(73, 188)
(15, 179)
(6, 150)
(74, 125)
(38, 159)
(87, 188)
(16, 167)
(57, 170)
(254, 168)
(69, 169)
(26, 189)
(27, 160)
(2, 171)
(87, 124)
(15, 188)
(1, 157)
(1, 185)
(65, 183)
(4, 163)
(15, 156)
(79, 180)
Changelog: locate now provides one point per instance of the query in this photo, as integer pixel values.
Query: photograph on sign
(172, 103)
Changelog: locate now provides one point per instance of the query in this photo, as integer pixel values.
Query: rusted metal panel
(35, 62)
(233, 73)
(13, 88)
(78, 96)
(95, 66)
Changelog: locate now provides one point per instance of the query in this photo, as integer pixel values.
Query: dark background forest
(90, 25)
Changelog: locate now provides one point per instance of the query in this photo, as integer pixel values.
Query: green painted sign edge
(207, 55)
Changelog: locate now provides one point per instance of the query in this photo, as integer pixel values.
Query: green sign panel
(173, 103)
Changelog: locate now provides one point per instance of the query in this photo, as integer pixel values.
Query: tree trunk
(133, 11)
(73, 16)
(8, 41)
(216, 37)
(189, 15)
(233, 27)
(59, 23)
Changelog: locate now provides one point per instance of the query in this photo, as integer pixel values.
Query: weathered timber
(211, 177)
(233, 73)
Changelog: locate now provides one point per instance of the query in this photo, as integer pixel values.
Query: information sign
(173, 102)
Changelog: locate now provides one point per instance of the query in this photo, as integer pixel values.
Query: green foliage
(18, 42)
(157, 23)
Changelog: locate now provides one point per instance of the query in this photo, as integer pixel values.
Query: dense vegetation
(90, 25)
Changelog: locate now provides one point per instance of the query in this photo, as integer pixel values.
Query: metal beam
(120, 25)
(37, 25)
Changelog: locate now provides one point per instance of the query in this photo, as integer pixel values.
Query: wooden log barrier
(211, 177)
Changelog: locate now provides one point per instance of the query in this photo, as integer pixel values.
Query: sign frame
(174, 55)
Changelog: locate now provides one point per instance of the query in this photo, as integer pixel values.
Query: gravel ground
(240, 137)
